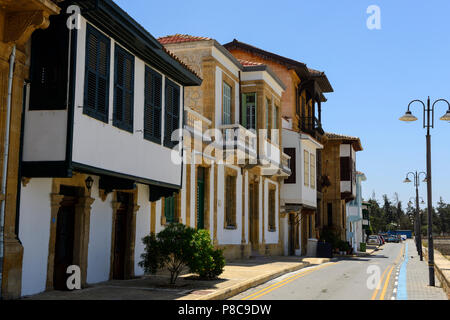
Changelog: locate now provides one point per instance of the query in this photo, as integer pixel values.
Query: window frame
(230, 199)
(292, 152)
(312, 170)
(306, 168)
(224, 114)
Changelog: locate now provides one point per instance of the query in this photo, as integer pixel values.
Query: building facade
(339, 172)
(301, 107)
(232, 179)
(101, 140)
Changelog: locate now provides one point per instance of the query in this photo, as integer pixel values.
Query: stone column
(16, 26)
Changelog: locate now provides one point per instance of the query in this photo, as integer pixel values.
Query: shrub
(179, 246)
(171, 248)
(207, 262)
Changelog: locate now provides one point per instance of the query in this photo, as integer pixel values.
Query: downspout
(12, 60)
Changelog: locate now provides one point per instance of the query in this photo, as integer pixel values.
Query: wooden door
(253, 216)
(200, 198)
(64, 242)
(120, 242)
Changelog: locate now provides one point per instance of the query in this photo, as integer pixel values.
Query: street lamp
(417, 220)
(428, 123)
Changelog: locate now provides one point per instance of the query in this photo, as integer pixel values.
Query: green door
(201, 198)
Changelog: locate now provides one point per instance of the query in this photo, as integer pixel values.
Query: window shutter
(96, 95)
(345, 169)
(172, 110)
(306, 167)
(313, 171)
(153, 100)
(293, 177)
(123, 89)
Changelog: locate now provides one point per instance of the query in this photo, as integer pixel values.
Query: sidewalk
(237, 277)
(414, 278)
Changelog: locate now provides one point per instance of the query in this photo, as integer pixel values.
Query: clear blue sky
(375, 73)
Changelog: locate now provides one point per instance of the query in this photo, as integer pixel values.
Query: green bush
(171, 248)
(207, 262)
(179, 246)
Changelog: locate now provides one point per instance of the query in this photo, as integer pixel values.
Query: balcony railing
(196, 121)
(241, 141)
(310, 125)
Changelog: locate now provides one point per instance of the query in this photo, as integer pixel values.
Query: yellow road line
(379, 285)
(397, 260)
(283, 282)
(386, 283)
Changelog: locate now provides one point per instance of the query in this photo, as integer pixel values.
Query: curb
(243, 286)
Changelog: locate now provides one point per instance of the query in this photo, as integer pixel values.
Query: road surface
(359, 278)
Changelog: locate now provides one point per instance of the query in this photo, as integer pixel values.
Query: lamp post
(428, 123)
(417, 220)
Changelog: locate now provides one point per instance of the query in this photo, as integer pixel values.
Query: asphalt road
(358, 278)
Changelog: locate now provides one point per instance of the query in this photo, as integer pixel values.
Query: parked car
(382, 241)
(392, 238)
(404, 237)
(374, 240)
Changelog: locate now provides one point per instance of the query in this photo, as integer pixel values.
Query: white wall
(298, 193)
(99, 250)
(34, 233)
(96, 143)
(45, 135)
(142, 226)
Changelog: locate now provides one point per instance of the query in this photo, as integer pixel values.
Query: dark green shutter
(172, 110)
(169, 209)
(153, 101)
(244, 110)
(96, 89)
(123, 89)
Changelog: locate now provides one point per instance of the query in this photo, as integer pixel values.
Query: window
(49, 64)
(172, 111)
(306, 167)
(330, 214)
(123, 89)
(153, 103)
(272, 213)
(268, 114)
(292, 163)
(313, 171)
(275, 117)
(249, 110)
(226, 104)
(345, 169)
(96, 87)
(170, 209)
(230, 202)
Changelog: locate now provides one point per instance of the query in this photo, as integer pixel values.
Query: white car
(404, 237)
(373, 240)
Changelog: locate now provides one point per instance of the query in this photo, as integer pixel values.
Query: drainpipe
(12, 60)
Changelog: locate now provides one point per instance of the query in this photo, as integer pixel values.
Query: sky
(374, 73)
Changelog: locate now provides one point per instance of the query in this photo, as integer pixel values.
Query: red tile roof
(177, 38)
(335, 136)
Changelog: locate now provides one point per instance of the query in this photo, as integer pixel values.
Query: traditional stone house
(102, 108)
(301, 107)
(18, 20)
(237, 201)
(339, 168)
(355, 231)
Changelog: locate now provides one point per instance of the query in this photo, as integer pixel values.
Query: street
(345, 279)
